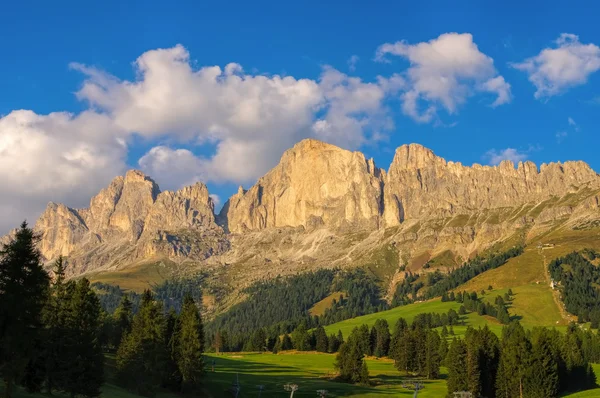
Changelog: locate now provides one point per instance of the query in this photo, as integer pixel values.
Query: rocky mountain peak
(414, 156)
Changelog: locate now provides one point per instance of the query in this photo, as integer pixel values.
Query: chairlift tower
(292, 388)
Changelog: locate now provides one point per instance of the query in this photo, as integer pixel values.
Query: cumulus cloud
(59, 157)
(494, 157)
(554, 70)
(444, 72)
(250, 118)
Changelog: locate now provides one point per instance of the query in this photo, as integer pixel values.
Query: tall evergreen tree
(189, 345)
(321, 341)
(515, 359)
(457, 367)
(22, 281)
(349, 360)
(542, 377)
(141, 355)
(86, 374)
(122, 317)
(381, 340)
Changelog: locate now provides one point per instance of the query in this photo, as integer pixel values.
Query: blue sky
(319, 69)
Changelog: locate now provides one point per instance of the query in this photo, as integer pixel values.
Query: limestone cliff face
(320, 184)
(420, 184)
(132, 216)
(314, 184)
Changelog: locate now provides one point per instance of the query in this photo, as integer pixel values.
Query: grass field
(320, 307)
(408, 312)
(311, 371)
(136, 278)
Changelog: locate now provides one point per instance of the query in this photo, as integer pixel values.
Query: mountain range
(321, 206)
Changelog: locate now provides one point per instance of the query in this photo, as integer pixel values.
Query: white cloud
(494, 157)
(57, 157)
(555, 70)
(444, 72)
(352, 61)
(216, 200)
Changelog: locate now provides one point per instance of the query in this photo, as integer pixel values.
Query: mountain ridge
(322, 206)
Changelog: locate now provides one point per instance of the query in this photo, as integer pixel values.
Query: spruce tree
(86, 374)
(22, 281)
(57, 315)
(321, 341)
(286, 343)
(122, 317)
(542, 376)
(432, 357)
(514, 361)
(171, 375)
(189, 345)
(381, 338)
(349, 360)
(300, 337)
(457, 367)
(141, 355)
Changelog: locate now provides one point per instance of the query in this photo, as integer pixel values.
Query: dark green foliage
(22, 281)
(578, 279)
(349, 360)
(321, 340)
(122, 318)
(286, 343)
(333, 344)
(406, 291)
(85, 357)
(363, 296)
(301, 338)
(470, 270)
(380, 338)
(142, 355)
(456, 361)
(282, 300)
(188, 345)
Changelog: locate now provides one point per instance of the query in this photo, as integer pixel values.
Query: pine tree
(58, 338)
(432, 357)
(86, 374)
(142, 355)
(349, 360)
(122, 317)
(457, 367)
(334, 344)
(286, 343)
(22, 281)
(542, 376)
(300, 338)
(322, 342)
(189, 345)
(172, 376)
(514, 361)
(381, 334)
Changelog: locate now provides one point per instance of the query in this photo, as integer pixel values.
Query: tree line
(578, 278)
(53, 332)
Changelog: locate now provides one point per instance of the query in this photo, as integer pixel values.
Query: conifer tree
(381, 332)
(333, 344)
(171, 375)
(22, 281)
(286, 343)
(432, 357)
(86, 367)
(514, 361)
(542, 376)
(189, 345)
(321, 341)
(122, 317)
(457, 367)
(349, 360)
(142, 354)
(57, 315)
(300, 337)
